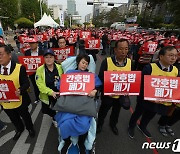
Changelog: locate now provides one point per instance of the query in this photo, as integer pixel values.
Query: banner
(92, 44)
(161, 88)
(63, 53)
(61, 18)
(7, 91)
(85, 34)
(122, 82)
(31, 63)
(77, 84)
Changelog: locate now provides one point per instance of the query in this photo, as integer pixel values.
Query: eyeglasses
(172, 56)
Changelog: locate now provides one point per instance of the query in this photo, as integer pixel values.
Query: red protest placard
(122, 82)
(72, 39)
(63, 53)
(161, 88)
(85, 34)
(114, 37)
(40, 37)
(149, 48)
(92, 44)
(31, 63)
(77, 84)
(24, 47)
(23, 38)
(7, 91)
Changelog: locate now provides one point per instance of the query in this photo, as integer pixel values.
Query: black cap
(49, 51)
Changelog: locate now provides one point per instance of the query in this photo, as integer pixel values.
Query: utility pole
(19, 7)
(41, 7)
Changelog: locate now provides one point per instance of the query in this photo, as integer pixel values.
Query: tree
(8, 8)
(24, 23)
(31, 9)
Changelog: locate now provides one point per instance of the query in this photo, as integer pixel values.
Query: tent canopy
(46, 21)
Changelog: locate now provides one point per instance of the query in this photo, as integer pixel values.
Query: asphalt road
(46, 140)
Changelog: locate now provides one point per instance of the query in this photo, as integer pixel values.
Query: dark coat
(28, 52)
(154, 107)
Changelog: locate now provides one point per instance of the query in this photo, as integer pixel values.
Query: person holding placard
(34, 51)
(47, 77)
(146, 108)
(119, 62)
(18, 110)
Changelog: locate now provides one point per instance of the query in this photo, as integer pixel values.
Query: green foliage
(57, 20)
(8, 8)
(24, 23)
(168, 26)
(105, 19)
(31, 9)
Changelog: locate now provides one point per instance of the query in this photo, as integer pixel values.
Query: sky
(82, 7)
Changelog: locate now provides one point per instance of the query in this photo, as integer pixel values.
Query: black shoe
(17, 135)
(114, 130)
(66, 147)
(144, 131)
(82, 149)
(131, 132)
(99, 129)
(32, 133)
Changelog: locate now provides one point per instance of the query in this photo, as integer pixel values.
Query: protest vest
(158, 72)
(112, 67)
(14, 76)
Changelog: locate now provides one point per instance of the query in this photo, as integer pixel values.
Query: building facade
(71, 7)
(55, 9)
(88, 17)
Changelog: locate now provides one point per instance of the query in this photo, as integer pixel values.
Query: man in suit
(16, 111)
(34, 51)
(148, 109)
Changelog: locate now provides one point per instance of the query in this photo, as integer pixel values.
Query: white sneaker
(55, 123)
(4, 128)
(36, 102)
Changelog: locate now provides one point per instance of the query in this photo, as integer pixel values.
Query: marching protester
(165, 122)
(16, 39)
(119, 62)
(47, 77)
(104, 43)
(77, 123)
(92, 51)
(62, 44)
(34, 51)
(148, 109)
(145, 53)
(16, 111)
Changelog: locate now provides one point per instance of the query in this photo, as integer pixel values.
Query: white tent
(46, 21)
(52, 21)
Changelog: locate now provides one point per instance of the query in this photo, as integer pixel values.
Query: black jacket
(28, 52)
(154, 107)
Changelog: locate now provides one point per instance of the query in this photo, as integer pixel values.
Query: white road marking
(21, 147)
(6, 137)
(42, 136)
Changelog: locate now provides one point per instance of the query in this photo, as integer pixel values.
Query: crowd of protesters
(154, 53)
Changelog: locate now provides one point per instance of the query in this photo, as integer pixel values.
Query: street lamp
(40, 7)
(70, 22)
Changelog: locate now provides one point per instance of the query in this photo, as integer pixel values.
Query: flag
(61, 18)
